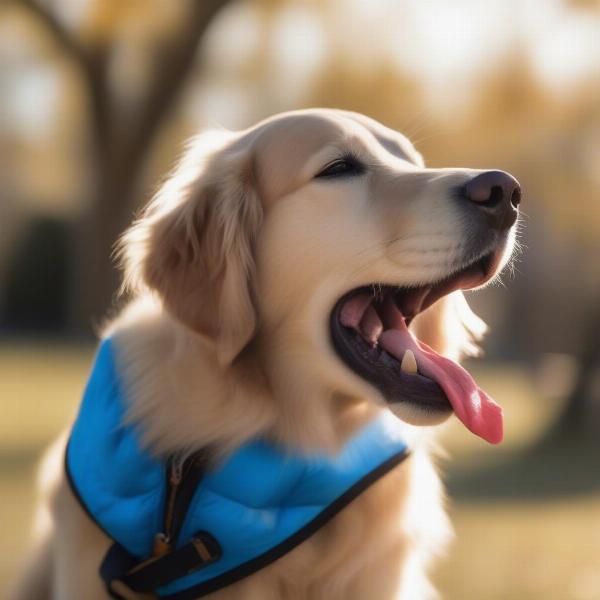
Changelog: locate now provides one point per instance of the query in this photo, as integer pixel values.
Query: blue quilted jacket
(255, 506)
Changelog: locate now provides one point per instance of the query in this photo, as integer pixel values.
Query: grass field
(527, 519)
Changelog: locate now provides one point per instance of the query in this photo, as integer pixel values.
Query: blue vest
(258, 504)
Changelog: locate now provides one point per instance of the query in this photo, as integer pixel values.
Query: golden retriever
(291, 281)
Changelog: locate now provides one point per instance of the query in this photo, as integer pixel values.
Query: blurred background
(97, 98)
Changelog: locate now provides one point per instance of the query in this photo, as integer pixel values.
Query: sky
(445, 43)
(448, 38)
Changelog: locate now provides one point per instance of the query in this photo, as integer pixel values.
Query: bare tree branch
(126, 155)
(92, 66)
(172, 72)
(56, 29)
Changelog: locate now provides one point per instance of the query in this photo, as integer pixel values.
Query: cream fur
(233, 270)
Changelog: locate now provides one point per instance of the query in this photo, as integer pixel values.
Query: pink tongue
(477, 411)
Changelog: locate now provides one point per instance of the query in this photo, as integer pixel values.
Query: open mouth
(369, 330)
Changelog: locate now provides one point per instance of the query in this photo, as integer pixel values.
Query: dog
(292, 283)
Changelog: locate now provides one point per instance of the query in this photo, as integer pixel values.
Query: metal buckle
(206, 546)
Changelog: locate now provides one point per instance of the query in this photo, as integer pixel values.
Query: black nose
(498, 194)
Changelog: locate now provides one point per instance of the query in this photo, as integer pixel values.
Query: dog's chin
(419, 416)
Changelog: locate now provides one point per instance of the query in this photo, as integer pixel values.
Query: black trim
(257, 563)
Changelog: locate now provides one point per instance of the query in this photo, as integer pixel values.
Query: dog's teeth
(409, 363)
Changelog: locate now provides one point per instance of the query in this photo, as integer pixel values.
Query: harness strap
(116, 562)
(145, 577)
(167, 563)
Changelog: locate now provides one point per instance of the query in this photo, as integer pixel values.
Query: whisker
(434, 134)
(418, 119)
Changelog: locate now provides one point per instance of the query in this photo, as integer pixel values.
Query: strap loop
(148, 575)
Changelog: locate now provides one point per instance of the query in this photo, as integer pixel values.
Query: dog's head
(319, 245)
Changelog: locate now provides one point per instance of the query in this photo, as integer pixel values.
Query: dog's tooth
(409, 363)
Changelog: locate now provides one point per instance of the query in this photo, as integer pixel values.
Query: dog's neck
(183, 400)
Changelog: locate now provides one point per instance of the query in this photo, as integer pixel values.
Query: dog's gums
(369, 329)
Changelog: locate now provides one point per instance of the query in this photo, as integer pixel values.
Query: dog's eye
(342, 167)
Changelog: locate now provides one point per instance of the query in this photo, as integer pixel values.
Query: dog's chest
(378, 546)
(256, 505)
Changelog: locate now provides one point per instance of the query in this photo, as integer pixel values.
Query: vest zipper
(181, 486)
(163, 541)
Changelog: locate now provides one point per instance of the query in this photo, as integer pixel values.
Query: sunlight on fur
(231, 274)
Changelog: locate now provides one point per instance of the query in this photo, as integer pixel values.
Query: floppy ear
(450, 327)
(193, 244)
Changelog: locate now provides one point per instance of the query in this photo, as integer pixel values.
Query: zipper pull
(176, 473)
(161, 545)
(163, 541)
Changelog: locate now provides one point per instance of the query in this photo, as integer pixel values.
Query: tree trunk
(118, 159)
(581, 416)
(96, 277)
